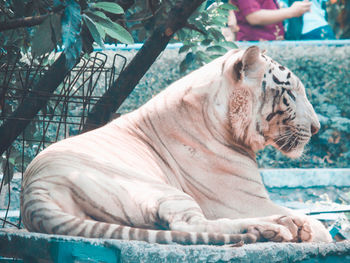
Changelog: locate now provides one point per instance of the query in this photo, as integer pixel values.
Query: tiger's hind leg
(182, 213)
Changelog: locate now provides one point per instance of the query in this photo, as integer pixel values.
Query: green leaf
(118, 32)
(216, 34)
(101, 31)
(41, 41)
(211, 7)
(206, 42)
(109, 7)
(112, 29)
(7, 170)
(181, 34)
(184, 48)
(216, 48)
(183, 66)
(71, 27)
(214, 56)
(200, 26)
(93, 30)
(229, 44)
(227, 6)
(97, 13)
(189, 57)
(202, 57)
(56, 32)
(219, 20)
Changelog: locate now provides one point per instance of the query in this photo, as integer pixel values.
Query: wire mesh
(64, 115)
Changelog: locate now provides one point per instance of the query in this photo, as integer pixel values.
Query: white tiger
(182, 167)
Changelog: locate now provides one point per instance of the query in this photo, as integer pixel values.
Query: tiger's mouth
(292, 143)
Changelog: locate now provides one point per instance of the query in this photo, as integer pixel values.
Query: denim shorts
(323, 32)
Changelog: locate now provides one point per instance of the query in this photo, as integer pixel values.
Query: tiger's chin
(293, 149)
(294, 153)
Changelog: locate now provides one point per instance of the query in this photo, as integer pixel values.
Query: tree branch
(126, 4)
(193, 27)
(22, 22)
(131, 75)
(27, 21)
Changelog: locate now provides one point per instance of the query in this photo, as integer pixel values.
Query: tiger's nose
(315, 127)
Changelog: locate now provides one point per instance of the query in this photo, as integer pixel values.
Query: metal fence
(63, 116)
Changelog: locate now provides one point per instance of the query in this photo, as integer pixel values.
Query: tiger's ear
(250, 65)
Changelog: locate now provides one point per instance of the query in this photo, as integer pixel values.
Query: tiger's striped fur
(182, 167)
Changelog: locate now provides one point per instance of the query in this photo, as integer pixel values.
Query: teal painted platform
(33, 247)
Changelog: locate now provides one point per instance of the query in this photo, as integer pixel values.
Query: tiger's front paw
(282, 229)
(299, 226)
(270, 232)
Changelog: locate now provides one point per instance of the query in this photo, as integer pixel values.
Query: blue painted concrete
(304, 178)
(53, 248)
(137, 46)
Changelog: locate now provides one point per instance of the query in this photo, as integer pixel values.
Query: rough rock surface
(76, 248)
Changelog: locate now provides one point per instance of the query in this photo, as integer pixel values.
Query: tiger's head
(268, 104)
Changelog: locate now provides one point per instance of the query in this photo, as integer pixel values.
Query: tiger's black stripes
(275, 100)
(100, 230)
(285, 120)
(57, 228)
(74, 227)
(291, 95)
(278, 82)
(273, 114)
(263, 85)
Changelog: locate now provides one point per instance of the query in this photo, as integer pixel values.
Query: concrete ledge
(338, 42)
(31, 246)
(305, 178)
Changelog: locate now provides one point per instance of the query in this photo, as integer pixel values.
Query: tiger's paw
(299, 226)
(283, 229)
(270, 232)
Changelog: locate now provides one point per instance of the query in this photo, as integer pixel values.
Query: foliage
(75, 25)
(203, 29)
(204, 41)
(339, 17)
(71, 27)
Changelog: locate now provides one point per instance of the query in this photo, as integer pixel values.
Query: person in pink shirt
(260, 20)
